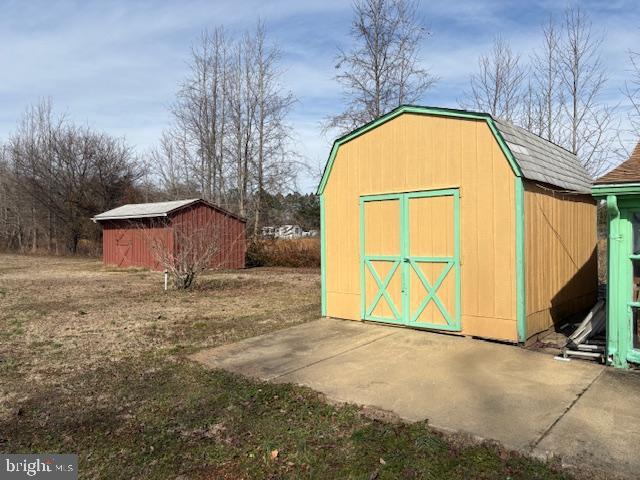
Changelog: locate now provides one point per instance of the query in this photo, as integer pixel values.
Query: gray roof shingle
(544, 161)
(143, 210)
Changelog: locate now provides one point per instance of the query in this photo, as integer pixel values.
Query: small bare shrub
(189, 253)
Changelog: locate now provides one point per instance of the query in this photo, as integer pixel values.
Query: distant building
(287, 232)
(269, 231)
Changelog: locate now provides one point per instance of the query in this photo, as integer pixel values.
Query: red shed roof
(155, 209)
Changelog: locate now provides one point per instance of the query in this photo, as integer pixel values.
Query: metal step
(577, 353)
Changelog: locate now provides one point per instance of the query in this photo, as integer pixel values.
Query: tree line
(55, 175)
(230, 141)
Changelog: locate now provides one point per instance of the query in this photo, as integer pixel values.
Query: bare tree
(199, 112)
(558, 97)
(171, 160)
(242, 106)
(497, 88)
(271, 166)
(12, 233)
(587, 121)
(531, 111)
(187, 253)
(66, 173)
(382, 70)
(632, 92)
(229, 141)
(545, 98)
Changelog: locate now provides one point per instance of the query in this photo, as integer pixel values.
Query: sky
(116, 65)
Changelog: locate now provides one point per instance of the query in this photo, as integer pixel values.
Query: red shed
(130, 231)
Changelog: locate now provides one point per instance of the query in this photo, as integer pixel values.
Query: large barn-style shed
(453, 220)
(131, 232)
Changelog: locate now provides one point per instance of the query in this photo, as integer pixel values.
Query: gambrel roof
(530, 156)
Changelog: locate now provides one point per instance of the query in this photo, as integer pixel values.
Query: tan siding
(560, 255)
(414, 153)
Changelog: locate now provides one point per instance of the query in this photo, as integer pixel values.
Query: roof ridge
(164, 208)
(162, 201)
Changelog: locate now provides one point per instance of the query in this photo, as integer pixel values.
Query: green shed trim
(620, 348)
(519, 197)
(604, 190)
(452, 263)
(615, 308)
(431, 111)
(521, 301)
(323, 259)
(405, 262)
(363, 300)
(620, 199)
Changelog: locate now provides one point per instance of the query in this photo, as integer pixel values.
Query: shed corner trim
(323, 259)
(432, 111)
(521, 306)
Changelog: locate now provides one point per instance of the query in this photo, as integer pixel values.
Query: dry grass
(301, 252)
(92, 362)
(62, 316)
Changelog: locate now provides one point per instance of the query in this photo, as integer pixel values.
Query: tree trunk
(34, 240)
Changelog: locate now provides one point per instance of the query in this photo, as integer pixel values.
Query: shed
(130, 231)
(452, 220)
(620, 188)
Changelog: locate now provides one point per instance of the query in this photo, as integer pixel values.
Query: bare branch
(383, 70)
(497, 86)
(588, 123)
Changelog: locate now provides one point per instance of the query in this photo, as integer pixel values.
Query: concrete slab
(486, 389)
(275, 354)
(602, 429)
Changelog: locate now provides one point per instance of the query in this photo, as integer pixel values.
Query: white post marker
(166, 279)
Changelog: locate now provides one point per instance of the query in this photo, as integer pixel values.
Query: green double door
(410, 258)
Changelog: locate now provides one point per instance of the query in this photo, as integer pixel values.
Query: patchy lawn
(92, 361)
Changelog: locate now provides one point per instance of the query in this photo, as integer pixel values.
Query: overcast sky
(116, 64)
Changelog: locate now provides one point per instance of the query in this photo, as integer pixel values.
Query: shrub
(302, 252)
